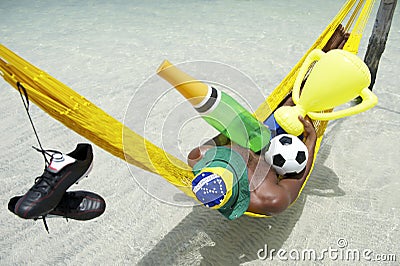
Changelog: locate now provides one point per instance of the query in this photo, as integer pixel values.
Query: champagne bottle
(218, 109)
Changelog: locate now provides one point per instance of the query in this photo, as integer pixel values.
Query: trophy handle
(369, 100)
(314, 55)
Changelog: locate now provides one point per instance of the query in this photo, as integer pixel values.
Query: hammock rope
(82, 116)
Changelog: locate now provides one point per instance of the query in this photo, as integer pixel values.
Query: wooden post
(378, 38)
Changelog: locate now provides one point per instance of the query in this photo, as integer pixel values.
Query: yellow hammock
(82, 116)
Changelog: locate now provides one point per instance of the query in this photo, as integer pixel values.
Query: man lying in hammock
(256, 187)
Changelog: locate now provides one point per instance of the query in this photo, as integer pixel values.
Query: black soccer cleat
(77, 205)
(63, 171)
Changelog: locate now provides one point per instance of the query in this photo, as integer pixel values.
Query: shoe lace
(63, 207)
(46, 179)
(25, 101)
(43, 218)
(43, 182)
(45, 224)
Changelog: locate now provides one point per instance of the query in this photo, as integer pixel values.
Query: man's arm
(197, 153)
(274, 196)
(293, 185)
(338, 39)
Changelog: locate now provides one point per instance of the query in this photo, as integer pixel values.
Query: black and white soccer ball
(287, 154)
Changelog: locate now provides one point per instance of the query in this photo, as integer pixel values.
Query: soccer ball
(287, 154)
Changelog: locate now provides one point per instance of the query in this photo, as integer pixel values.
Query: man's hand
(309, 130)
(338, 39)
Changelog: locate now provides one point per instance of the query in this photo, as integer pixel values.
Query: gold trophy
(337, 77)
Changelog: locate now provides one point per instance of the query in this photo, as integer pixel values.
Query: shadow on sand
(205, 237)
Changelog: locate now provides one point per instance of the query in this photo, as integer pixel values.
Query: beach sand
(109, 53)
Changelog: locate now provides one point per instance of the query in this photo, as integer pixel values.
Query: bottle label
(210, 102)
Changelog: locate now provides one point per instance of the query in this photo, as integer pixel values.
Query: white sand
(107, 51)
